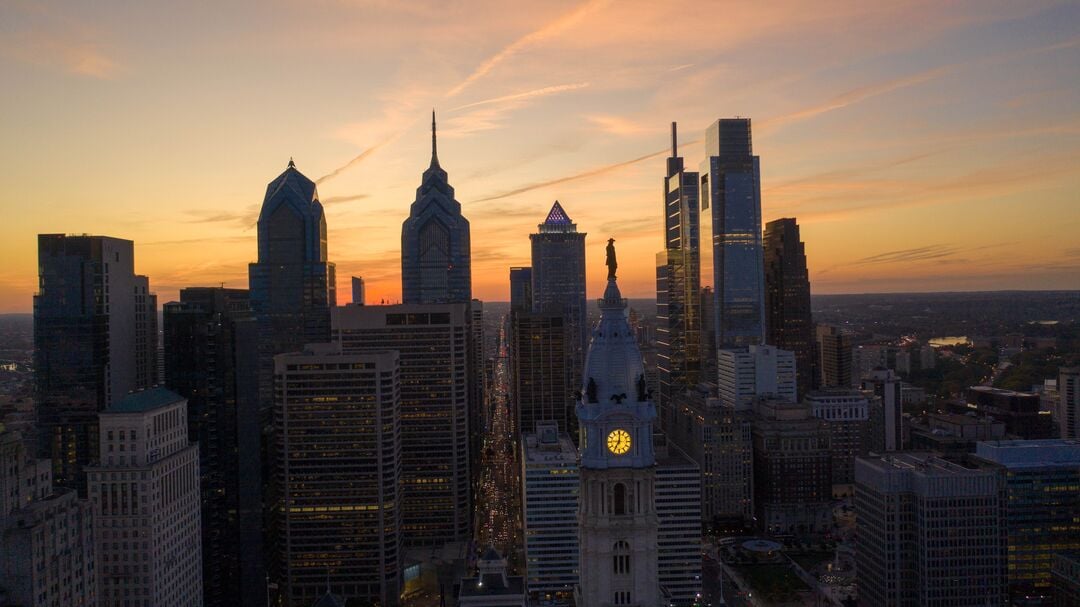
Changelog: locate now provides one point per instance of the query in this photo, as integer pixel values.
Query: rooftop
(146, 400)
(1031, 453)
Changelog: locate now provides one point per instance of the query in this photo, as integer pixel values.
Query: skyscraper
(618, 523)
(211, 360)
(755, 371)
(549, 490)
(145, 491)
(787, 298)
(433, 345)
(436, 264)
(521, 297)
(886, 416)
(678, 283)
(731, 187)
(93, 326)
(337, 430)
(357, 291)
(834, 357)
(558, 281)
(1068, 409)
(540, 388)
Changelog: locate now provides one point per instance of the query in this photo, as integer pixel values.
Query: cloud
(337, 199)
(77, 57)
(624, 127)
(547, 31)
(579, 176)
(245, 218)
(935, 251)
(855, 96)
(541, 92)
(358, 159)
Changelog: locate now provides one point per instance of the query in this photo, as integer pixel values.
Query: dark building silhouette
(834, 357)
(521, 289)
(558, 283)
(788, 325)
(211, 360)
(678, 285)
(731, 189)
(540, 391)
(95, 340)
(435, 257)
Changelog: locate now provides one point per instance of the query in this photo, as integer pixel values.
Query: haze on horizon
(922, 146)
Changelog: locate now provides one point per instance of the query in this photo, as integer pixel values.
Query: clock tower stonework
(617, 520)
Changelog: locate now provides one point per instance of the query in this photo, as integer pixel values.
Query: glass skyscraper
(787, 297)
(731, 189)
(435, 258)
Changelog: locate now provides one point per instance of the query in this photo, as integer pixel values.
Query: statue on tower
(611, 262)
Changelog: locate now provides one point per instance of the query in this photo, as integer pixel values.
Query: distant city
(736, 440)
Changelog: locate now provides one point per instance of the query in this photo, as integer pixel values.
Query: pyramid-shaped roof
(557, 216)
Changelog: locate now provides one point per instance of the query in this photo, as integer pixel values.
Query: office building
(792, 468)
(718, 438)
(708, 333)
(834, 357)
(357, 291)
(145, 491)
(436, 265)
(678, 286)
(887, 413)
(337, 430)
(1020, 411)
(549, 490)
(433, 345)
(731, 189)
(292, 284)
(1068, 410)
(788, 324)
(521, 298)
(1042, 507)
(931, 532)
(540, 388)
(211, 360)
(46, 534)
(950, 433)
(756, 371)
(95, 340)
(617, 520)
(678, 535)
(846, 414)
(558, 282)
(1065, 579)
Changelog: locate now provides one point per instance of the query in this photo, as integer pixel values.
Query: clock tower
(617, 520)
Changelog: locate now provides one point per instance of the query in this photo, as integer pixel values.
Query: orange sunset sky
(923, 146)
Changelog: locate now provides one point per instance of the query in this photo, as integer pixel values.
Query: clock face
(618, 442)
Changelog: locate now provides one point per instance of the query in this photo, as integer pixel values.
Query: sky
(922, 145)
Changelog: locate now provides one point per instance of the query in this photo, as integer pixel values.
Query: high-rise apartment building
(145, 491)
(755, 371)
(887, 413)
(558, 282)
(337, 430)
(834, 357)
(357, 291)
(521, 298)
(931, 532)
(792, 468)
(1068, 410)
(1042, 507)
(549, 490)
(846, 414)
(211, 350)
(540, 388)
(436, 264)
(731, 188)
(678, 286)
(788, 324)
(46, 534)
(433, 345)
(95, 340)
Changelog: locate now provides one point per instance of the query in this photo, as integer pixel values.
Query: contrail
(336, 199)
(551, 29)
(585, 175)
(356, 160)
(547, 90)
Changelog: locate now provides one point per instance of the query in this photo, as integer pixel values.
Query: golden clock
(618, 442)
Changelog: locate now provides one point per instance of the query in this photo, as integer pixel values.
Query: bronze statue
(611, 262)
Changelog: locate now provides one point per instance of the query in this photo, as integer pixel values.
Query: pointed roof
(434, 147)
(329, 600)
(292, 180)
(557, 220)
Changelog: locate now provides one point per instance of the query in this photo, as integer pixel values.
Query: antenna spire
(674, 141)
(434, 147)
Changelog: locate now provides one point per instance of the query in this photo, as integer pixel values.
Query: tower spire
(674, 141)
(434, 148)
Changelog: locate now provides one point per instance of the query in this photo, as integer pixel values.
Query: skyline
(131, 123)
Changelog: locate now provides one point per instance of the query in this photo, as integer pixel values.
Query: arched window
(620, 557)
(620, 498)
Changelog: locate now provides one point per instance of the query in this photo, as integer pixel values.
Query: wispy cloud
(77, 57)
(244, 218)
(603, 170)
(541, 92)
(357, 159)
(623, 127)
(336, 199)
(935, 251)
(549, 30)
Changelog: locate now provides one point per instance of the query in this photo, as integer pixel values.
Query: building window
(621, 558)
(620, 498)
